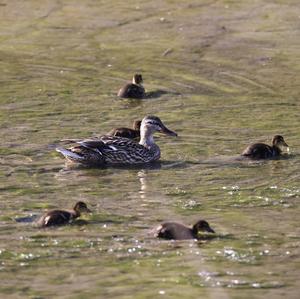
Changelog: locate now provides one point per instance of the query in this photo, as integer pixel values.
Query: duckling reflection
(143, 180)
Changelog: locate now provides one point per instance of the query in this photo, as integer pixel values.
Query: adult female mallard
(61, 217)
(127, 132)
(265, 151)
(134, 90)
(178, 231)
(119, 150)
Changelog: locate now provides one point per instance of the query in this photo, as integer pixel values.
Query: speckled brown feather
(118, 150)
(112, 150)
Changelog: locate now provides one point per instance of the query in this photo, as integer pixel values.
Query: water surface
(222, 74)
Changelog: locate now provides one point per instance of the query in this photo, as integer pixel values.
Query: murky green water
(227, 73)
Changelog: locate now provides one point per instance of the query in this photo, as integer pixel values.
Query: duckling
(106, 150)
(127, 132)
(61, 217)
(178, 231)
(134, 90)
(265, 151)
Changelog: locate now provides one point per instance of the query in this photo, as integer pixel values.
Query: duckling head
(137, 79)
(202, 226)
(137, 125)
(279, 141)
(81, 207)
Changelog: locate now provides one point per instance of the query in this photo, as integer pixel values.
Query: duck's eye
(152, 123)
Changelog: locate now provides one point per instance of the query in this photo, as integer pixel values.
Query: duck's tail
(70, 155)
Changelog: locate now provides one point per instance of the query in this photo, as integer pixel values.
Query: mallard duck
(119, 150)
(178, 231)
(134, 90)
(127, 132)
(264, 151)
(61, 217)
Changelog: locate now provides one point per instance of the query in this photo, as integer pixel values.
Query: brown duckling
(134, 90)
(178, 231)
(61, 217)
(265, 151)
(127, 132)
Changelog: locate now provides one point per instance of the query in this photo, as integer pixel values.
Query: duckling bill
(133, 90)
(178, 231)
(61, 217)
(107, 150)
(265, 151)
(127, 132)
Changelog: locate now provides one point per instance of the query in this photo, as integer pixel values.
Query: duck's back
(119, 150)
(83, 154)
(259, 151)
(55, 217)
(131, 90)
(174, 231)
(125, 132)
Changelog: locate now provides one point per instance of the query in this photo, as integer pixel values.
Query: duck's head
(202, 226)
(152, 124)
(137, 79)
(137, 125)
(279, 141)
(81, 207)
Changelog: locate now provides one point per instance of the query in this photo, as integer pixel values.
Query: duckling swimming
(61, 217)
(178, 231)
(134, 90)
(119, 150)
(264, 151)
(127, 132)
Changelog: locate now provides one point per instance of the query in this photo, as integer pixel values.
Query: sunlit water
(222, 75)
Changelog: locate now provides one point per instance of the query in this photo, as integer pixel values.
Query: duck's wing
(107, 149)
(86, 151)
(258, 151)
(117, 150)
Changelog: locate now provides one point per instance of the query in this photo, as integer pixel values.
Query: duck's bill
(210, 230)
(87, 210)
(166, 131)
(285, 144)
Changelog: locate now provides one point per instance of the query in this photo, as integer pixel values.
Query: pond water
(222, 74)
